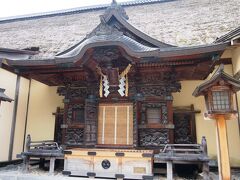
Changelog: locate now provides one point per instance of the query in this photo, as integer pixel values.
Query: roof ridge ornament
(114, 7)
(104, 29)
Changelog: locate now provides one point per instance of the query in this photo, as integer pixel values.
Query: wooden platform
(109, 163)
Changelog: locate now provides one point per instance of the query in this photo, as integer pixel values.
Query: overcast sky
(22, 7)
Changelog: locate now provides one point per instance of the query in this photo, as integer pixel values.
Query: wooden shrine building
(97, 111)
(117, 85)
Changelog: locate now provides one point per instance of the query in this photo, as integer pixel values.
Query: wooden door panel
(109, 125)
(115, 124)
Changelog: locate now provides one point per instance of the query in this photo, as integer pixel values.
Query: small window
(78, 115)
(221, 100)
(153, 115)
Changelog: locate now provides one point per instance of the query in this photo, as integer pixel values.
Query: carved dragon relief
(153, 137)
(74, 136)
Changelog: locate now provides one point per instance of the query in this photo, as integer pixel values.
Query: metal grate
(221, 100)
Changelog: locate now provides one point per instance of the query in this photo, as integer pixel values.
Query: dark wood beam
(14, 119)
(54, 70)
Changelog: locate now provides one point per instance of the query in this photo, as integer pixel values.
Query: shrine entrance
(115, 124)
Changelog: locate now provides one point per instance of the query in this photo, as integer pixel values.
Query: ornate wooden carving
(182, 132)
(153, 90)
(58, 123)
(184, 121)
(74, 136)
(70, 92)
(153, 137)
(106, 54)
(164, 115)
(70, 110)
(162, 106)
(160, 132)
(158, 90)
(158, 84)
(91, 112)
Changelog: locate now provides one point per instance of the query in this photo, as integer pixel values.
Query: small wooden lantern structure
(3, 97)
(218, 93)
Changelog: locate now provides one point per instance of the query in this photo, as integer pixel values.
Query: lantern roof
(218, 76)
(4, 97)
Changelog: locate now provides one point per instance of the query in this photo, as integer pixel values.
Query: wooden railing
(41, 146)
(184, 154)
(43, 150)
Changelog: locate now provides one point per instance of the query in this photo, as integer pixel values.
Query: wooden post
(51, 165)
(169, 170)
(222, 148)
(26, 163)
(205, 167)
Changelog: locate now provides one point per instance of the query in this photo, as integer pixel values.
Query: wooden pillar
(51, 165)
(169, 170)
(222, 143)
(26, 163)
(205, 170)
(136, 105)
(170, 119)
(205, 167)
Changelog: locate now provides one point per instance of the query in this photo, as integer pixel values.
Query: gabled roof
(115, 39)
(115, 30)
(147, 55)
(166, 21)
(217, 77)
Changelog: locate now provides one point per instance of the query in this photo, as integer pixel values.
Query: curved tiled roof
(219, 75)
(229, 36)
(131, 46)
